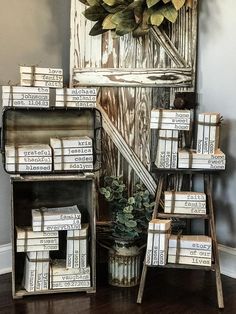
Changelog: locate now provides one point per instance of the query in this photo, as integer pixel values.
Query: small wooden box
(30, 192)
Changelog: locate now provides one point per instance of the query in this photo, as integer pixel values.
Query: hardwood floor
(168, 291)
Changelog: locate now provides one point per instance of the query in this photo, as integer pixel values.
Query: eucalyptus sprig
(131, 16)
(130, 214)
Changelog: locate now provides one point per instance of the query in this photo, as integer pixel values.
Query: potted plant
(130, 215)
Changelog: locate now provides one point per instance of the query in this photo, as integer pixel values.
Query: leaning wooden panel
(172, 48)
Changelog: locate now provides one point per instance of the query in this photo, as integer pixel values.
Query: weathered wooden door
(135, 75)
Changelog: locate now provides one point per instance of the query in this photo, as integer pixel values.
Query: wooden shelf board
(154, 169)
(190, 216)
(185, 266)
(22, 292)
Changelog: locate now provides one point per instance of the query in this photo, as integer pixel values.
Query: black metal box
(37, 126)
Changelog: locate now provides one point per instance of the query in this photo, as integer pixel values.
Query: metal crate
(36, 126)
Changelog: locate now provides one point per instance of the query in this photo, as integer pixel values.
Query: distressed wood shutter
(135, 75)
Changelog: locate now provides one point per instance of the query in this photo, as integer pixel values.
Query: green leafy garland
(131, 16)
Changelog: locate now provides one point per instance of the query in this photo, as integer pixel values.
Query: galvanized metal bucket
(124, 265)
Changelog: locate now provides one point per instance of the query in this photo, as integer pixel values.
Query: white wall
(31, 32)
(217, 92)
(37, 32)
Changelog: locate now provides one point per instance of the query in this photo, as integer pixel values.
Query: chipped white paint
(124, 265)
(129, 107)
(133, 77)
(128, 153)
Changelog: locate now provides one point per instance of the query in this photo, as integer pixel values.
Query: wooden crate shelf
(52, 191)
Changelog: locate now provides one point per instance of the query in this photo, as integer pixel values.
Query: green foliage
(131, 16)
(130, 214)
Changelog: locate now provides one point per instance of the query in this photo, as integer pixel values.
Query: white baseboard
(227, 260)
(5, 258)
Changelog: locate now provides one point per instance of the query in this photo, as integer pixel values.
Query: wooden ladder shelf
(210, 230)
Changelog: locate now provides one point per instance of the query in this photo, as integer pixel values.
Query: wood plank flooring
(168, 291)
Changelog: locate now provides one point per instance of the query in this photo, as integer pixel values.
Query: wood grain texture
(85, 51)
(161, 37)
(127, 59)
(135, 75)
(125, 77)
(109, 100)
(143, 103)
(128, 154)
(184, 34)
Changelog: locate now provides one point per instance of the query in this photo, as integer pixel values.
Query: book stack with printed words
(30, 97)
(56, 219)
(77, 248)
(167, 119)
(72, 153)
(190, 250)
(28, 240)
(28, 158)
(41, 77)
(40, 272)
(208, 132)
(207, 154)
(167, 150)
(191, 159)
(63, 277)
(76, 97)
(168, 123)
(193, 203)
(36, 272)
(157, 242)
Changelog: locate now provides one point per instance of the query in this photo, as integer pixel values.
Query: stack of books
(169, 123)
(72, 153)
(167, 150)
(63, 277)
(157, 242)
(207, 154)
(76, 97)
(170, 119)
(41, 77)
(32, 97)
(37, 241)
(193, 203)
(36, 272)
(28, 240)
(191, 159)
(28, 158)
(77, 248)
(56, 219)
(190, 250)
(208, 132)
